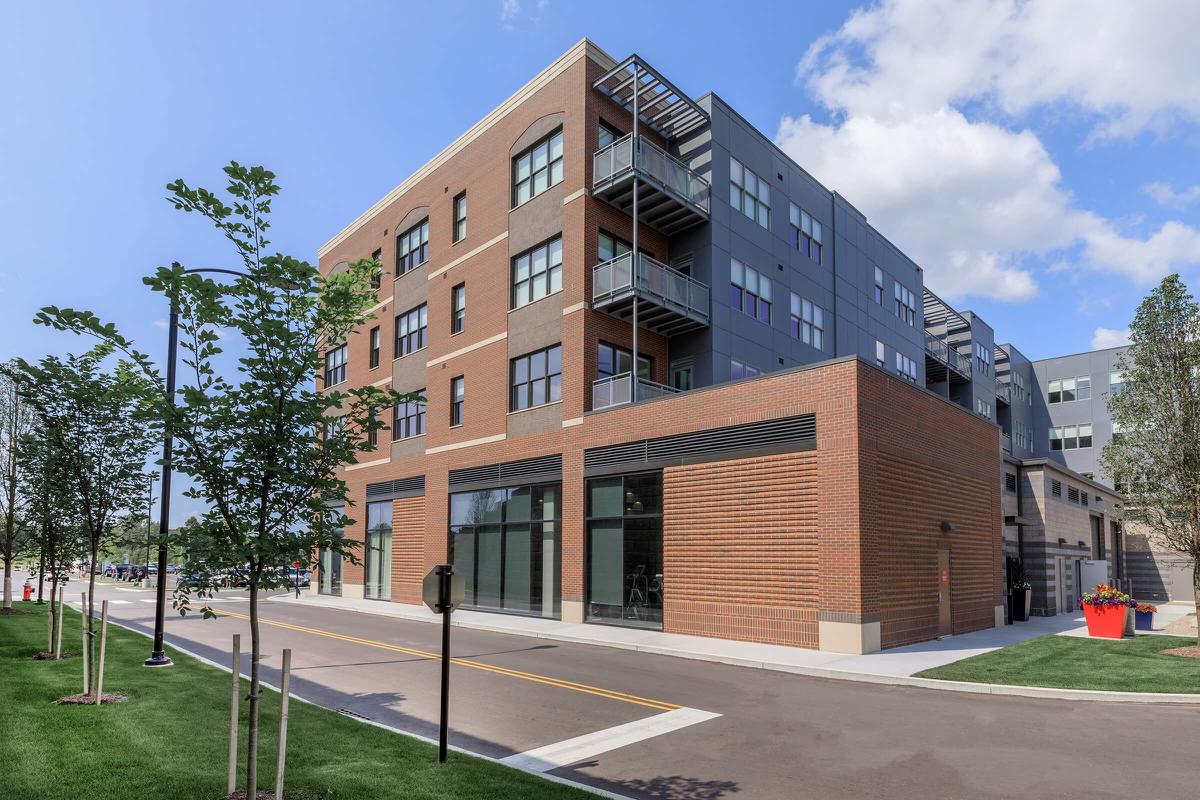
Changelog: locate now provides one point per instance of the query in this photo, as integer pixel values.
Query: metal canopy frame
(661, 107)
(938, 312)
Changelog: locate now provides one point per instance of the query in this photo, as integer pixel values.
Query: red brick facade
(761, 548)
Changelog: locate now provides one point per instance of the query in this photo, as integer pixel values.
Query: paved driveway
(658, 727)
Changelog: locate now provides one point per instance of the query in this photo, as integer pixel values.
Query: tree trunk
(7, 582)
(1196, 591)
(53, 611)
(41, 569)
(252, 728)
(91, 605)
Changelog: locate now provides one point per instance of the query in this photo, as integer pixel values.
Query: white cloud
(161, 324)
(1104, 338)
(1167, 195)
(509, 9)
(920, 93)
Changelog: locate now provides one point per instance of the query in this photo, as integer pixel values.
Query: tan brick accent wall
(408, 549)
(740, 549)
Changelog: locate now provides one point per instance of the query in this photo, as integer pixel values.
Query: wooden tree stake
(103, 642)
(83, 638)
(233, 713)
(284, 684)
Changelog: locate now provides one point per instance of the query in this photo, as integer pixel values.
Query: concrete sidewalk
(896, 662)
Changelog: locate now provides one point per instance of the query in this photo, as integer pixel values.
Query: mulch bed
(240, 794)
(1186, 652)
(46, 655)
(88, 700)
(10, 612)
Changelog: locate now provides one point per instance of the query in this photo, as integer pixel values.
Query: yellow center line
(584, 688)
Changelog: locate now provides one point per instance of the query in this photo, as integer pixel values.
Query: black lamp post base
(157, 659)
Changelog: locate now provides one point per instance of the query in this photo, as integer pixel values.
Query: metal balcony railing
(1006, 443)
(618, 390)
(682, 301)
(617, 161)
(947, 354)
(1004, 392)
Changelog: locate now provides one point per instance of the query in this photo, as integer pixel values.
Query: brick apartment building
(763, 436)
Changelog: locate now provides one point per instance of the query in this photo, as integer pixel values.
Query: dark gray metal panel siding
(508, 473)
(737, 441)
(413, 486)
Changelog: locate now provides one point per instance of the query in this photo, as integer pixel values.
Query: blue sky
(1040, 162)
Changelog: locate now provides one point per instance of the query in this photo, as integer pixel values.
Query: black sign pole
(444, 601)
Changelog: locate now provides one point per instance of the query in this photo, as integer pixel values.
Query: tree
(16, 422)
(1154, 455)
(264, 446)
(95, 415)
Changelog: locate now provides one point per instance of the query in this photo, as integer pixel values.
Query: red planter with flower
(1105, 610)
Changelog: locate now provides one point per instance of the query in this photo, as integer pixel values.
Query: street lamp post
(158, 657)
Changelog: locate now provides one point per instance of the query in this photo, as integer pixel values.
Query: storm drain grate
(350, 713)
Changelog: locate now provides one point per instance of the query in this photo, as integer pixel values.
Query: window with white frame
(808, 321)
(880, 354)
(906, 367)
(537, 273)
(335, 366)
(460, 217)
(1068, 390)
(457, 400)
(749, 193)
(1116, 380)
(750, 291)
(538, 168)
(906, 305)
(805, 231)
(412, 247)
(333, 427)
(1071, 437)
(983, 408)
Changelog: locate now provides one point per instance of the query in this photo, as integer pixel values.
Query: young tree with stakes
(16, 422)
(1154, 455)
(262, 443)
(94, 413)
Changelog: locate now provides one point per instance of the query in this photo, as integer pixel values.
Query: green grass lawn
(1067, 662)
(171, 739)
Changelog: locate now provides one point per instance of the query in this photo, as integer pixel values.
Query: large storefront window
(378, 551)
(506, 542)
(329, 575)
(625, 574)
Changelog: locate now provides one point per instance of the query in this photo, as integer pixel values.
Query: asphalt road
(777, 736)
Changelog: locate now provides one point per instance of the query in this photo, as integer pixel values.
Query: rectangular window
(506, 543)
(750, 291)
(376, 280)
(1068, 390)
(1083, 387)
(878, 286)
(537, 273)
(408, 419)
(1054, 392)
(460, 217)
(538, 168)
(411, 331)
(749, 193)
(983, 359)
(535, 379)
(808, 322)
(1116, 379)
(375, 339)
(335, 366)
(612, 360)
(373, 434)
(457, 397)
(458, 308)
(377, 552)
(1056, 439)
(412, 247)
(905, 367)
(880, 354)
(1085, 435)
(906, 305)
(606, 135)
(333, 426)
(1021, 435)
(805, 232)
(738, 371)
(984, 408)
(609, 247)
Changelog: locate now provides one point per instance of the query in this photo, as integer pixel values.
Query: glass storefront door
(329, 580)
(377, 552)
(506, 543)
(624, 550)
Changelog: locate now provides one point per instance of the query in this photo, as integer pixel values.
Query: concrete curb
(879, 679)
(544, 775)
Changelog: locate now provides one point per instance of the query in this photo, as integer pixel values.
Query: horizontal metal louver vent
(507, 470)
(401, 486)
(770, 434)
(1056, 488)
